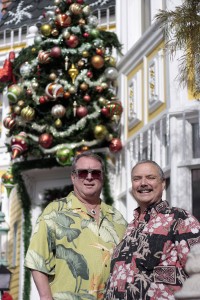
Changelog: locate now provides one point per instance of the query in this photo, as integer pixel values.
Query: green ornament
(14, 93)
(94, 33)
(64, 156)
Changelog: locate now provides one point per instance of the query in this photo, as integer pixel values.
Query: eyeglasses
(83, 173)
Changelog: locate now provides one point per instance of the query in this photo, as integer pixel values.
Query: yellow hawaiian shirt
(73, 249)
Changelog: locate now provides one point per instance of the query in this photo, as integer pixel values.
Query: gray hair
(90, 155)
(145, 161)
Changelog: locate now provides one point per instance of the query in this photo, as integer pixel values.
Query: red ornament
(86, 98)
(80, 1)
(63, 20)
(105, 111)
(99, 89)
(43, 99)
(55, 52)
(69, 1)
(115, 145)
(86, 35)
(18, 144)
(100, 51)
(9, 122)
(89, 74)
(45, 140)
(29, 92)
(81, 111)
(72, 41)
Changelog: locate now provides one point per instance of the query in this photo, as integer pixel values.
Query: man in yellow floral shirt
(69, 253)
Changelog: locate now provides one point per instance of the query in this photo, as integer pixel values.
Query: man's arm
(42, 284)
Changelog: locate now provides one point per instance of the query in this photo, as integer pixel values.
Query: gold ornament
(102, 101)
(75, 8)
(104, 85)
(46, 29)
(21, 103)
(56, 2)
(66, 33)
(84, 86)
(111, 60)
(53, 76)
(81, 22)
(28, 113)
(58, 123)
(109, 137)
(100, 132)
(17, 110)
(54, 32)
(85, 54)
(97, 61)
(86, 10)
(33, 50)
(81, 63)
(73, 72)
(72, 90)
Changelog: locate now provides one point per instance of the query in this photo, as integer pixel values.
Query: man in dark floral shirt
(149, 262)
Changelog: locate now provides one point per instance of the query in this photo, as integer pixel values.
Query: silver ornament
(111, 73)
(93, 21)
(25, 69)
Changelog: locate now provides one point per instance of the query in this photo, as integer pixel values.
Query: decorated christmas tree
(63, 95)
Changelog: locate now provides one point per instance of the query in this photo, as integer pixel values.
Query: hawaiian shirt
(73, 249)
(149, 262)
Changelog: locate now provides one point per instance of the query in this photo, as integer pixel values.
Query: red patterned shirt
(149, 262)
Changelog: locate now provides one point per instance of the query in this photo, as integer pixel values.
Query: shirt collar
(153, 209)
(74, 203)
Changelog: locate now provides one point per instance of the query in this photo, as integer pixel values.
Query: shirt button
(102, 249)
(106, 266)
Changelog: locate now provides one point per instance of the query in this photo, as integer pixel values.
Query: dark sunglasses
(83, 173)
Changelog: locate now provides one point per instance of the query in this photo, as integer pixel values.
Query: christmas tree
(63, 96)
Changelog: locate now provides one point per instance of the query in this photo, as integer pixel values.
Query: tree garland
(17, 169)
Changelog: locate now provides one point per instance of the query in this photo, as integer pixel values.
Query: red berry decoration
(81, 111)
(115, 145)
(45, 140)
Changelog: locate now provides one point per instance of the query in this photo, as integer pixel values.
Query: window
(195, 140)
(196, 193)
